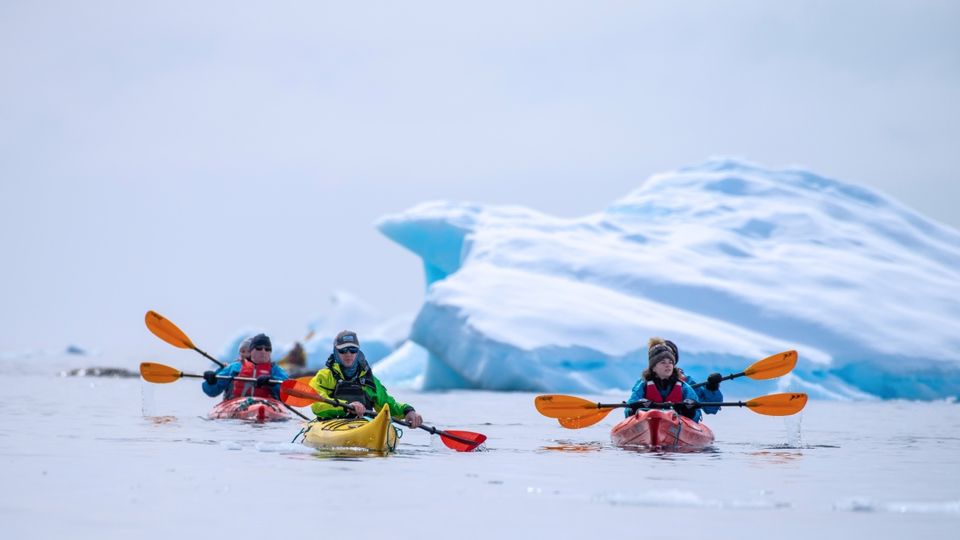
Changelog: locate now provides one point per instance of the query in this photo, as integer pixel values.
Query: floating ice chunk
(863, 504)
(731, 261)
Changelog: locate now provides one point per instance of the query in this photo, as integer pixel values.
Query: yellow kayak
(376, 435)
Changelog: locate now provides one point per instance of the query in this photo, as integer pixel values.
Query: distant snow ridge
(728, 259)
(379, 336)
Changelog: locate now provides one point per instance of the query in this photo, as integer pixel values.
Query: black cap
(346, 339)
(260, 340)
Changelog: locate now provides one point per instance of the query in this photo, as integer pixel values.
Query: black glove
(262, 381)
(637, 405)
(686, 408)
(210, 377)
(713, 382)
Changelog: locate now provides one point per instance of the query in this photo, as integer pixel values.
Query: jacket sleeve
(704, 395)
(222, 384)
(277, 374)
(708, 396)
(323, 383)
(690, 393)
(397, 410)
(635, 395)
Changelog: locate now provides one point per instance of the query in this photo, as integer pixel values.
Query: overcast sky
(223, 162)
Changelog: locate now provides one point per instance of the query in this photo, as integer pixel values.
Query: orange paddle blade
(772, 366)
(167, 331)
(159, 373)
(298, 394)
(587, 419)
(305, 380)
(778, 404)
(470, 440)
(560, 406)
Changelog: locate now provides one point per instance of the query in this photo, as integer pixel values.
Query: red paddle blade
(289, 390)
(475, 440)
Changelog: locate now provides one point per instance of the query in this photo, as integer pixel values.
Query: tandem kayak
(376, 435)
(251, 408)
(661, 429)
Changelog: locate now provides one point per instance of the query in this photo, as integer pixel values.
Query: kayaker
(258, 365)
(243, 352)
(709, 392)
(295, 360)
(347, 377)
(661, 382)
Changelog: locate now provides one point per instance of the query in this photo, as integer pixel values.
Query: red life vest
(244, 388)
(653, 394)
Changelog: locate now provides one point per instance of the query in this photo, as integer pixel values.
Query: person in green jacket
(347, 377)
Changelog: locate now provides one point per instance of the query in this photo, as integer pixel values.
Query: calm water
(108, 458)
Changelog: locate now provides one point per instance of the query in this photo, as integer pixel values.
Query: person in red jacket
(259, 366)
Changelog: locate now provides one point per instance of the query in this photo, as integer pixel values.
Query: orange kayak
(661, 429)
(251, 408)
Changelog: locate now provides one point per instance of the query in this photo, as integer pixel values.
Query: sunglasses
(351, 350)
(268, 349)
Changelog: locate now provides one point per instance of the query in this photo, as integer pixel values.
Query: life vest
(652, 393)
(247, 389)
(350, 391)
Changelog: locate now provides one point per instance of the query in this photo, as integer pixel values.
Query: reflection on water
(776, 457)
(666, 452)
(347, 454)
(569, 446)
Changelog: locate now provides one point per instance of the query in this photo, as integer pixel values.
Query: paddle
(167, 331)
(573, 412)
(161, 374)
(770, 367)
(299, 394)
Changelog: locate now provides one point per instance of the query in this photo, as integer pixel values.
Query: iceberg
(730, 260)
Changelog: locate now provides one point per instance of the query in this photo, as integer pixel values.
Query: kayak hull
(254, 409)
(375, 435)
(661, 429)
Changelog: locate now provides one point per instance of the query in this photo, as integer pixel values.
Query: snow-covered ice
(728, 259)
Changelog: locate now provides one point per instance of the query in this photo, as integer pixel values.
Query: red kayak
(251, 408)
(661, 429)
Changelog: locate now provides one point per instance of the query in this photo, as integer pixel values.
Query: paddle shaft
(371, 414)
(671, 405)
(229, 378)
(212, 359)
(726, 378)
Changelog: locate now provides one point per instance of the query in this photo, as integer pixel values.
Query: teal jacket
(639, 390)
(232, 370)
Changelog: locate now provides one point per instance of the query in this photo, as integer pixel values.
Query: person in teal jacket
(257, 365)
(662, 382)
(709, 392)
